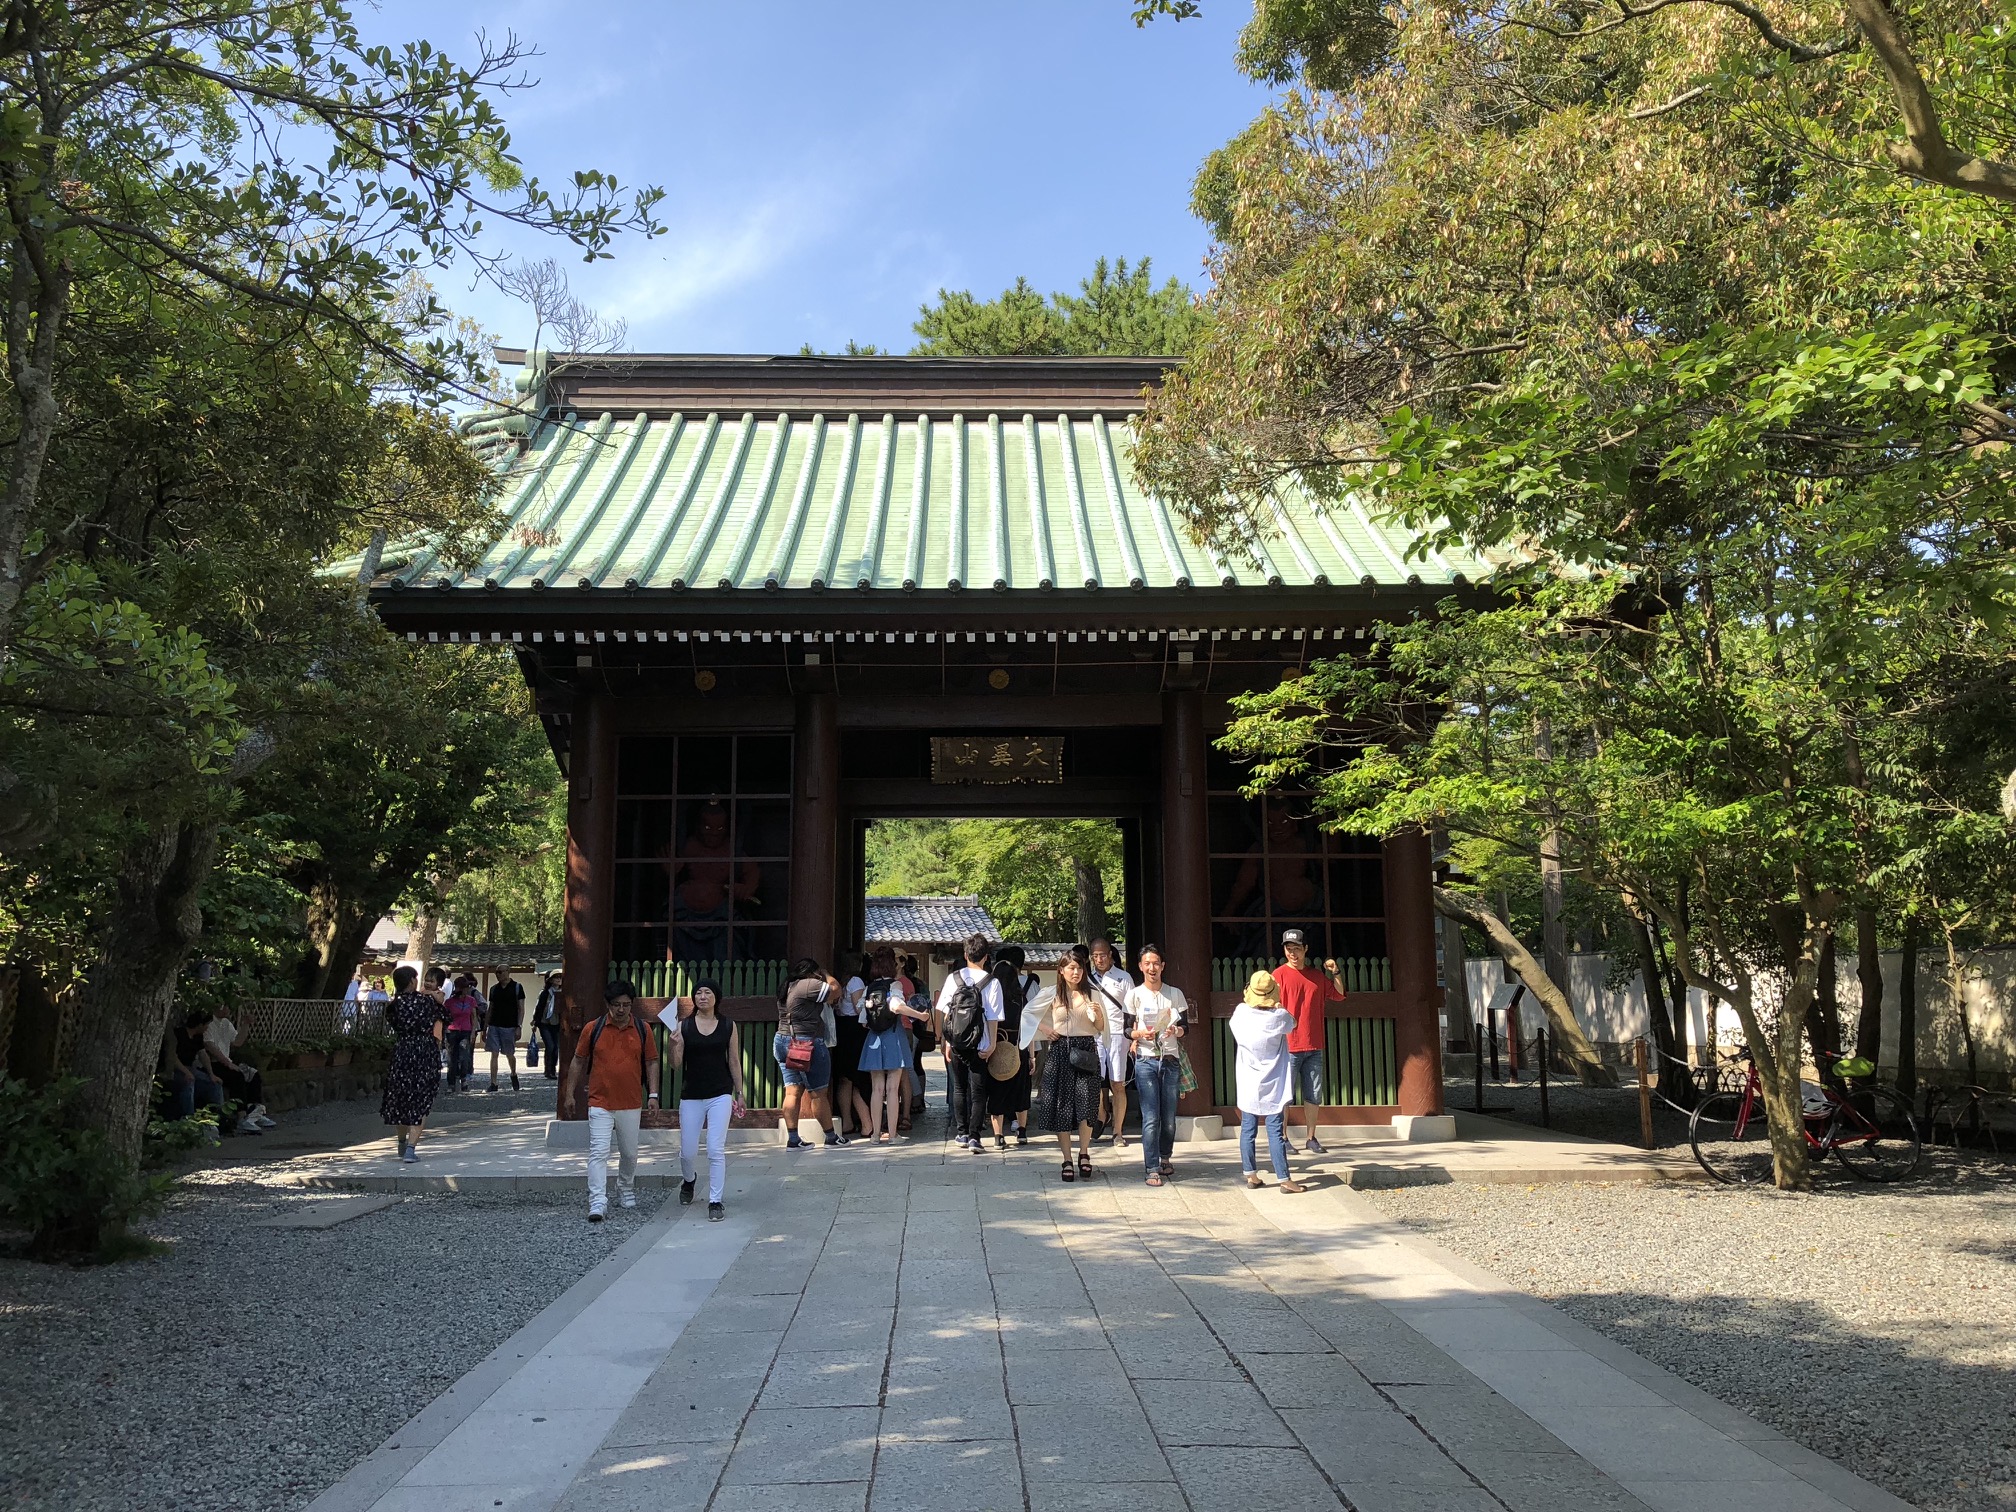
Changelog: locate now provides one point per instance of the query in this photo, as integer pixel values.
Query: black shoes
(685, 1194)
(715, 1212)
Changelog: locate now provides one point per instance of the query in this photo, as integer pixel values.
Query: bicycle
(1870, 1130)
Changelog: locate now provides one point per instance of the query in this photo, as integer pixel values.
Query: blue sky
(829, 166)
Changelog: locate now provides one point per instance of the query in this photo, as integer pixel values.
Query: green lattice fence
(1360, 1066)
(1360, 973)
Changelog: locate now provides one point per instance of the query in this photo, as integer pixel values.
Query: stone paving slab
(897, 1331)
(326, 1215)
(522, 1154)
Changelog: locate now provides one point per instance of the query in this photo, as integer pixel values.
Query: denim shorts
(815, 1077)
(500, 1041)
(1308, 1070)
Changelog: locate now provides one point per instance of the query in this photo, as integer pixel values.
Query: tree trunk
(123, 1011)
(37, 309)
(421, 951)
(346, 949)
(1674, 1083)
(1569, 1041)
(38, 1024)
(1869, 972)
(1092, 902)
(1956, 985)
(1553, 938)
(1823, 1012)
(1907, 1015)
(1456, 986)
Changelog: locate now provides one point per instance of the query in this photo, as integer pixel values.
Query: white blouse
(1265, 1085)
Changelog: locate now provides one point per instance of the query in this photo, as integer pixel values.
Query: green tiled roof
(853, 501)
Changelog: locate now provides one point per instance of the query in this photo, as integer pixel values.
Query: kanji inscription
(997, 759)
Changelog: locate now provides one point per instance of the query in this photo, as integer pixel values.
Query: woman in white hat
(1260, 1027)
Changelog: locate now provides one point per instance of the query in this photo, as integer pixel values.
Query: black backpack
(965, 1018)
(875, 1009)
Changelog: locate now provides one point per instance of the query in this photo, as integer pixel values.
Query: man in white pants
(618, 1060)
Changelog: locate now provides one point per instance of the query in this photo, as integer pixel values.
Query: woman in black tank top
(707, 1050)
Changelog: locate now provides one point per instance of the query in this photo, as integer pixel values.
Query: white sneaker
(259, 1117)
(247, 1126)
(628, 1200)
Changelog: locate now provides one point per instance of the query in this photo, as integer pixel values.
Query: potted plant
(309, 1056)
(340, 1050)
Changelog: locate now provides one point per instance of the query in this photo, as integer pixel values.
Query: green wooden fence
(1360, 1066)
(664, 979)
(1360, 973)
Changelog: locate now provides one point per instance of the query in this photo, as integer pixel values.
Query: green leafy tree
(520, 896)
(1617, 299)
(253, 151)
(1117, 310)
(1043, 880)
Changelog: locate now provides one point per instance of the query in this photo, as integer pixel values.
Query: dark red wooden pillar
(1410, 945)
(815, 827)
(591, 869)
(1186, 880)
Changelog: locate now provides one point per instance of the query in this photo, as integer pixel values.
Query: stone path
(925, 1329)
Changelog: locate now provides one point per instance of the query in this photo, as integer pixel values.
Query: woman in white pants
(708, 1048)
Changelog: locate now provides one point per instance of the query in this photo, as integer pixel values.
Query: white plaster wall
(1988, 996)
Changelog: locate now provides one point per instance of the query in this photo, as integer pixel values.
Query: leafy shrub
(62, 1183)
(170, 1137)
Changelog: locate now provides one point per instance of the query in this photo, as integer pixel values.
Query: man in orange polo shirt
(1304, 991)
(619, 1060)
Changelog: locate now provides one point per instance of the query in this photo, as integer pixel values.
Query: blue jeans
(1155, 1091)
(1277, 1143)
(461, 1054)
(815, 1077)
(1307, 1067)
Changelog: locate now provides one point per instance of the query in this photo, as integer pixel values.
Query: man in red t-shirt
(1304, 991)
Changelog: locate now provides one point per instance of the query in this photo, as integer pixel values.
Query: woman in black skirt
(415, 1018)
(1008, 1097)
(1071, 1076)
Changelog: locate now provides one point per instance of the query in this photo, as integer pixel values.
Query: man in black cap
(1304, 992)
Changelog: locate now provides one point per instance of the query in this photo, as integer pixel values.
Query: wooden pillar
(591, 869)
(815, 826)
(1186, 877)
(1410, 946)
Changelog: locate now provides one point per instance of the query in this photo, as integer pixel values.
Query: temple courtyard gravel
(1876, 1326)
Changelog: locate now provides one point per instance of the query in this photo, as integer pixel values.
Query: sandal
(1154, 1178)
(886, 1139)
(1167, 1168)
(1085, 1166)
(1068, 1173)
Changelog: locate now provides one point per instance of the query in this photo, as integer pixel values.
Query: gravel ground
(1876, 1326)
(249, 1368)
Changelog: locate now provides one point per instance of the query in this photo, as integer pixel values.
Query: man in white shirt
(1113, 984)
(241, 1079)
(1154, 1026)
(968, 1076)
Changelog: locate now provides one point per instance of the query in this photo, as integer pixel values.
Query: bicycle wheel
(1875, 1136)
(1730, 1140)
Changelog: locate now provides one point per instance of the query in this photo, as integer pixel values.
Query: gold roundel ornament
(704, 680)
(998, 679)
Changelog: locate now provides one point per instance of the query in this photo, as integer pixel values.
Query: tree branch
(1925, 152)
(1568, 1034)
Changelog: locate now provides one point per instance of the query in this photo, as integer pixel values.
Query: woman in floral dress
(414, 1076)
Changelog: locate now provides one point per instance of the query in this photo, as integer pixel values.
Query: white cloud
(695, 262)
